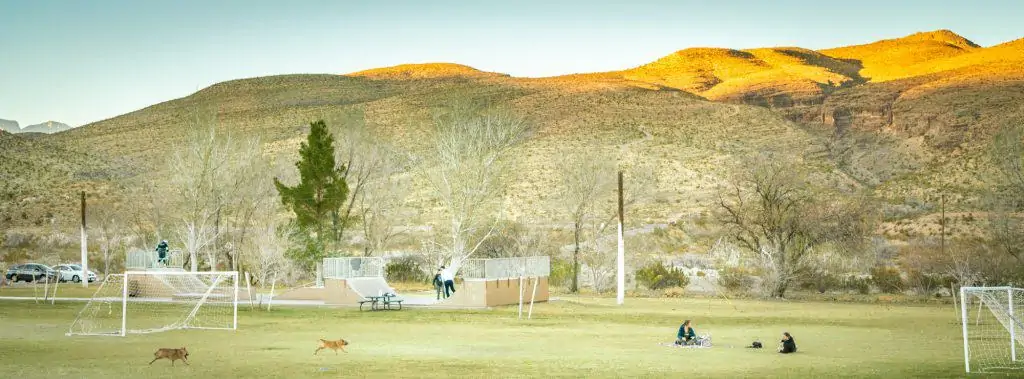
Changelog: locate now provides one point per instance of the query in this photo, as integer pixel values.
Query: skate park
(480, 284)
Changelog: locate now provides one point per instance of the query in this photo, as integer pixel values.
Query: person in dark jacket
(438, 284)
(161, 251)
(686, 334)
(788, 344)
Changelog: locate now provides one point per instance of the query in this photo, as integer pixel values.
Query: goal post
(156, 301)
(992, 322)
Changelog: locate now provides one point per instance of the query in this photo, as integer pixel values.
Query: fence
(353, 267)
(506, 268)
(141, 259)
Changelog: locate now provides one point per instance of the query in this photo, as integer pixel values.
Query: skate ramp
(486, 293)
(336, 291)
(366, 287)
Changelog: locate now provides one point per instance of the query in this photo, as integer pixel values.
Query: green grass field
(587, 337)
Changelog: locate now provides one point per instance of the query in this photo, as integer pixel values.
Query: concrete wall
(306, 293)
(480, 293)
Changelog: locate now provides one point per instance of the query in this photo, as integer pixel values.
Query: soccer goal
(993, 328)
(157, 301)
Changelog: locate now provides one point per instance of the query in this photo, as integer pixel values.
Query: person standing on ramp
(449, 282)
(161, 251)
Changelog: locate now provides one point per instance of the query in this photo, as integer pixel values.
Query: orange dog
(172, 354)
(333, 345)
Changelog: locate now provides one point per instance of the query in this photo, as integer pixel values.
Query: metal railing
(505, 268)
(353, 267)
(141, 259)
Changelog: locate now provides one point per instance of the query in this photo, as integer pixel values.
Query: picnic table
(382, 302)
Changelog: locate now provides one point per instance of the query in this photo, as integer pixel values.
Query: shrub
(821, 281)
(927, 283)
(861, 285)
(656, 276)
(561, 272)
(735, 279)
(887, 279)
(406, 269)
(674, 292)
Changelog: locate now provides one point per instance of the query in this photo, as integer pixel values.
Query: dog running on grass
(172, 354)
(333, 345)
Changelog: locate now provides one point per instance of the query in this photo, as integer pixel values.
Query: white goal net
(156, 301)
(993, 328)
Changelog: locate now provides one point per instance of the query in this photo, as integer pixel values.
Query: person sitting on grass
(788, 344)
(686, 334)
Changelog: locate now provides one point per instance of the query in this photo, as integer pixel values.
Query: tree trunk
(576, 262)
(779, 289)
(320, 273)
(106, 261)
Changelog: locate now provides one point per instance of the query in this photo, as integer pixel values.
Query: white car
(72, 272)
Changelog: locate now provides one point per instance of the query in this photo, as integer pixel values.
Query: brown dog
(172, 354)
(333, 345)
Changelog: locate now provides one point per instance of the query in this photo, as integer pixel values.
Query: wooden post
(621, 258)
(248, 291)
(533, 297)
(942, 226)
(272, 285)
(53, 296)
(955, 305)
(85, 250)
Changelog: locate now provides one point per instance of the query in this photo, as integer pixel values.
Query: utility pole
(621, 259)
(85, 250)
(942, 225)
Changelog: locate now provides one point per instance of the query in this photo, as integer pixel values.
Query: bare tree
(467, 171)
(146, 205)
(269, 259)
(599, 255)
(1004, 195)
(249, 190)
(366, 160)
(108, 230)
(212, 171)
(772, 213)
(381, 210)
(587, 182)
(197, 170)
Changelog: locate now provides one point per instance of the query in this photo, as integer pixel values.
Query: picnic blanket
(673, 344)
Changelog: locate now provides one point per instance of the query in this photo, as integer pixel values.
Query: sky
(78, 61)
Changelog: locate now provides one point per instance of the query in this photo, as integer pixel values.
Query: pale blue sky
(83, 61)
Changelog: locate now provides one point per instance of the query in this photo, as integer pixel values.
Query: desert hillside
(900, 117)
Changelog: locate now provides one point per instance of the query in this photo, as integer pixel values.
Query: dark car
(30, 272)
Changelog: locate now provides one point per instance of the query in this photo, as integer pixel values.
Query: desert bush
(13, 256)
(736, 279)
(927, 283)
(406, 269)
(887, 279)
(821, 281)
(860, 285)
(561, 272)
(14, 239)
(674, 292)
(656, 276)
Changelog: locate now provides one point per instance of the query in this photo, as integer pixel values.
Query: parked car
(72, 272)
(30, 272)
